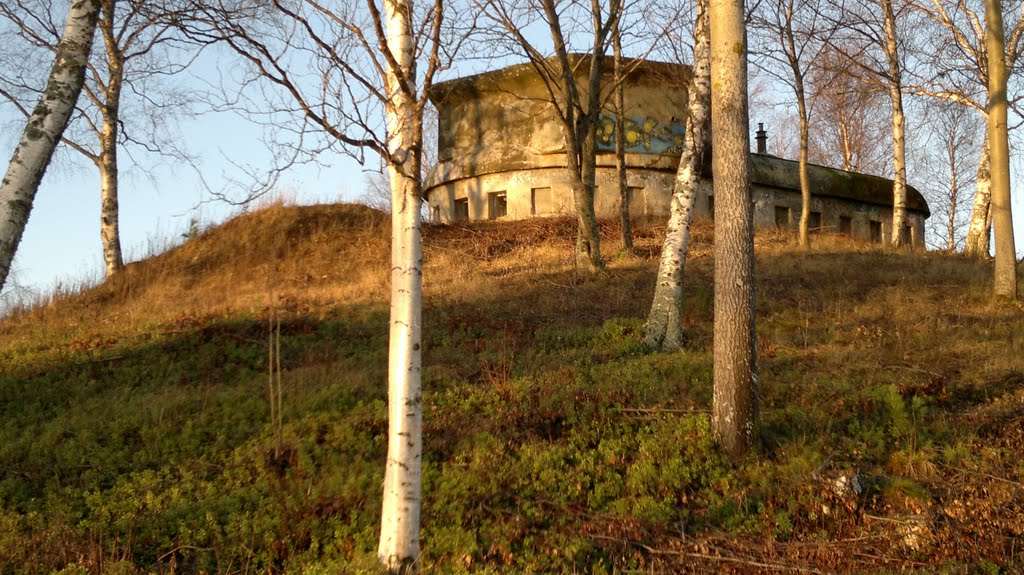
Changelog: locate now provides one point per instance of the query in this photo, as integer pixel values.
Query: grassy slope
(134, 432)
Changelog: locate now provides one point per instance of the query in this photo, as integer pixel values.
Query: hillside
(135, 433)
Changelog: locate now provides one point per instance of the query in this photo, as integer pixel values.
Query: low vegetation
(136, 435)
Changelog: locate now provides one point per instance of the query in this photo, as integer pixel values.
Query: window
(875, 232)
(497, 205)
(711, 205)
(461, 209)
(782, 216)
(814, 222)
(541, 201)
(435, 214)
(907, 236)
(845, 225)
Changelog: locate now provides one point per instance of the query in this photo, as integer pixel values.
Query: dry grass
(839, 315)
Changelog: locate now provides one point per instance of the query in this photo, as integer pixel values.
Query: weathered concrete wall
(544, 192)
(502, 156)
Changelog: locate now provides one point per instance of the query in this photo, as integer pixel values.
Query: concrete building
(501, 155)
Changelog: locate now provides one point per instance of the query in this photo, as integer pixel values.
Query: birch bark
(1002, 217)
(734, 409)
(398, 549)
(106, 161)
(899, 146)
(979, 231)
(45, 127)
(664, 328)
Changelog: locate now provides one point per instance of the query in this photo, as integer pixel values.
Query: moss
(771, 171)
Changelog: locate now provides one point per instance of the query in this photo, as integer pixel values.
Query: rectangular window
(711, 205)
(814, 222)
(845, 225)
(497, 205)
(782, 216)
(541, 201)
(461, 209)
(875, 232)
(907, 236)
(435, 214)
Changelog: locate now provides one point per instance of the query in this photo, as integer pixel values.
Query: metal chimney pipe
(762, 139)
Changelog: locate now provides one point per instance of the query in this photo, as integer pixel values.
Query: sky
(61, 246)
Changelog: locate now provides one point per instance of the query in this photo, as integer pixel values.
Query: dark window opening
(845, 225)
(497, 205)
(906, 236)
(461, 209)
(814, 222)
(875, 232)
(782, 216)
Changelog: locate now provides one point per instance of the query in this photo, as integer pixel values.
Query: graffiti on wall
(644, 135)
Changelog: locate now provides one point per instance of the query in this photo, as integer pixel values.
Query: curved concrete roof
(772, 171)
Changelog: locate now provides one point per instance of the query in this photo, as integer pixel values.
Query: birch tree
(664, 327)
(956, 71)
(734, 410)
(373, 68)
(998, 141)
(849, 130)
(954, 146)
(139, 45)
(871, 29)
(45, 126)
(576, 110)
(790, 47)
(899, 122)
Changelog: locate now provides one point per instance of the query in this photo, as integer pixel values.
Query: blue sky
(61, 244)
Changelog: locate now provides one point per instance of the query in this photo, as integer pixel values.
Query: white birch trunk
(844, 136)
(110, 234)
(1002, 217)
(979, 231)
(664, 328)
(45, 127)
(899, 147)
(398, 549)
(734, 410)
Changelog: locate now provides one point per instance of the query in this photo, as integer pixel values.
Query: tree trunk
(400, 513)
(588, 239)
(805, 179)
(979, 231)
(579, 131)
(588, 254)
(954, 192)
(45, 127)
(735, 371)
(899, 148)
(1002, 218)
(844, 136)
(664, 328)
(110, 234)
(801, 105)
(620, 144)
